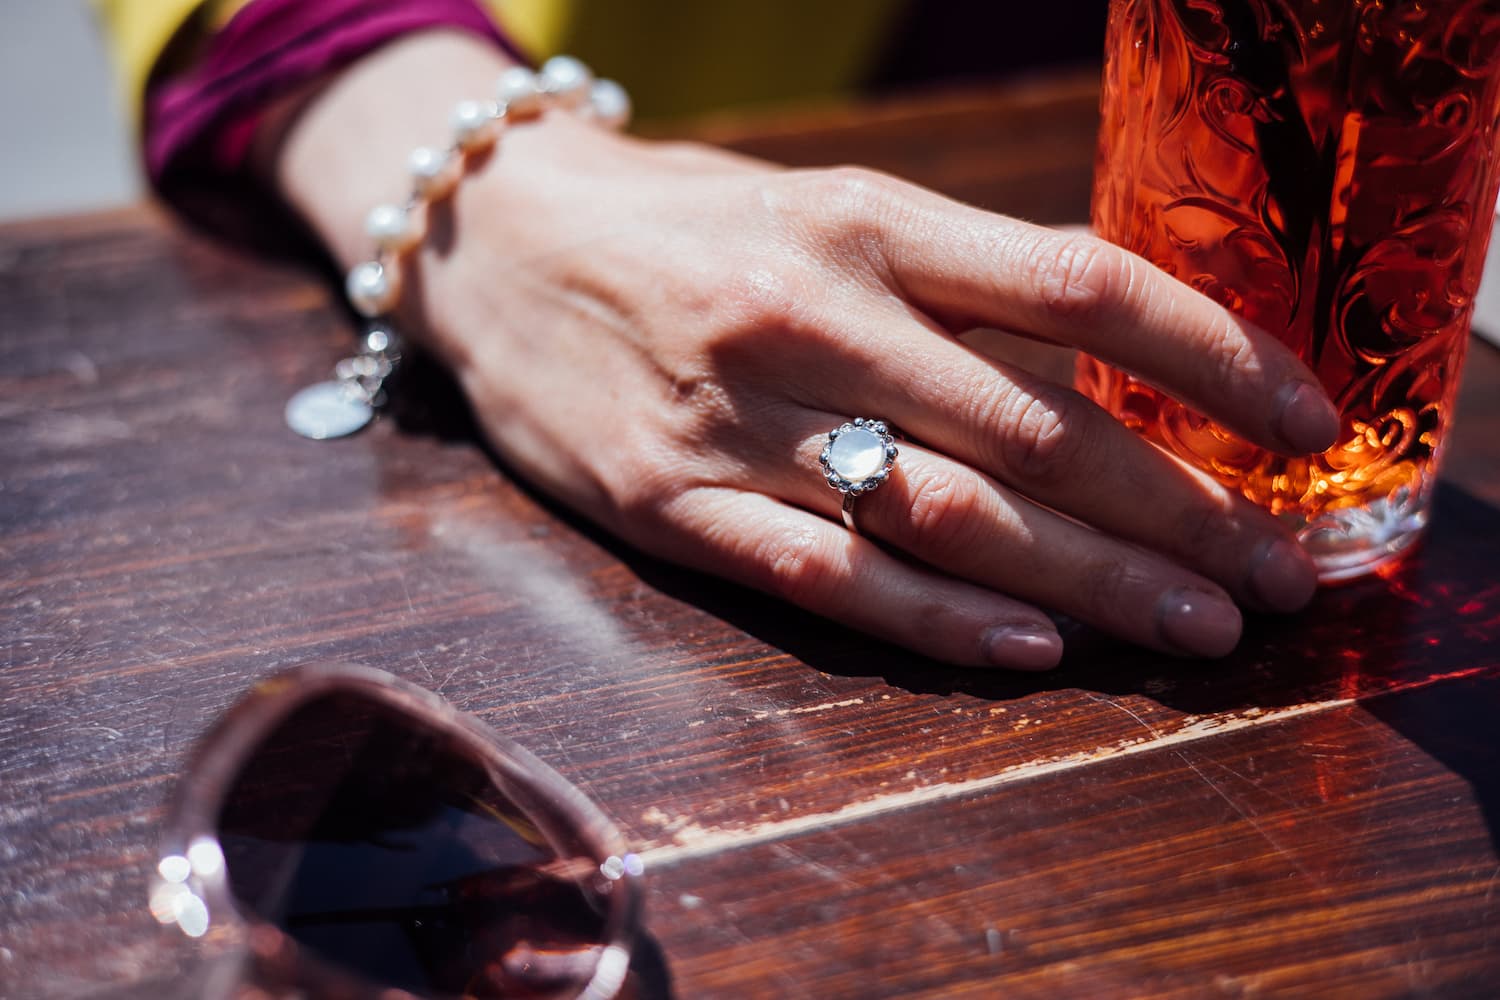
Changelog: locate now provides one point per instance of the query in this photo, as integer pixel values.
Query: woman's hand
(662, 336)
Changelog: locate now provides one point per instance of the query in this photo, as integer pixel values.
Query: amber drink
(1327, 169)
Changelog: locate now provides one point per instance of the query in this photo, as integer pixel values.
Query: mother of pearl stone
(857, 454)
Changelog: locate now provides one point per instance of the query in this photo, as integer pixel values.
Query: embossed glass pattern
(1325, 168)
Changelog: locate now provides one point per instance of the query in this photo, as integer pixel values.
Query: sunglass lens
(380, 845)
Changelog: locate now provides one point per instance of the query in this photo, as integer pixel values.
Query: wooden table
(823, 816)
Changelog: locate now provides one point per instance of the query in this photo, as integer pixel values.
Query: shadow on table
(1436, 614)
(1454, 724)
(1382, 642)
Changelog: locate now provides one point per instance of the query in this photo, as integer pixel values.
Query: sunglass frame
(192, 861)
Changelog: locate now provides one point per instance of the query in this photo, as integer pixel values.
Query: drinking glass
(1326, 169)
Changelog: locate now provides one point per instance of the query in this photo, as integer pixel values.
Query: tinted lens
(379, 844)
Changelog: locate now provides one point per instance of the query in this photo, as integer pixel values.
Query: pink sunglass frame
(192, 863)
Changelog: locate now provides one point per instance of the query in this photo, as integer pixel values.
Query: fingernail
(1282, 575)
(1197, 622)
(1018, 647)
(1305, 420)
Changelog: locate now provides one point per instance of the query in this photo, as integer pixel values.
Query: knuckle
(851, 193)
(652, 472)
(760, 298)
(936, 624)
(1200, 528)
(1039, 441)
(946, 518)
(760, 319)
(797, 570)
(1232, 358)
(844, 213)
(1106, 581)
(641, 493)
(1079, 278)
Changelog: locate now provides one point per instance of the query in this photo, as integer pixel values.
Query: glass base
(1356, 541)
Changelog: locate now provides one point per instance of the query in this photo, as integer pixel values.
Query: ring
(857, 458)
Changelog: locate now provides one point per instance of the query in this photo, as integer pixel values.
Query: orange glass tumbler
(1326, 169)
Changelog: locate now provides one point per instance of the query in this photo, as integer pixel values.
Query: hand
(662, 335)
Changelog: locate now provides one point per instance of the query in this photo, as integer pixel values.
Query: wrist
(340, 148)
(431, 253)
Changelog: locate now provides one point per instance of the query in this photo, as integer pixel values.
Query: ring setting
(858, 457)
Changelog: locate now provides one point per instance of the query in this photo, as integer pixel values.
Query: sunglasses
(360, 837)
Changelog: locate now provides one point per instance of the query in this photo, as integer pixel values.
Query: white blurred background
(63, 144)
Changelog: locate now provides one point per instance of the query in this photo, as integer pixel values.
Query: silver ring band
(848, 511)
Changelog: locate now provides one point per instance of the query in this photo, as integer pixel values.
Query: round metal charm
(328, 410)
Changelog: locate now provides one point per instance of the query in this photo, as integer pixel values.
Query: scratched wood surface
(823, 815)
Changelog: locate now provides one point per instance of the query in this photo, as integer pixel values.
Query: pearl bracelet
(344, 405)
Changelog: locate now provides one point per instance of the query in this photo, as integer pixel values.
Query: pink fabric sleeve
(200, 123)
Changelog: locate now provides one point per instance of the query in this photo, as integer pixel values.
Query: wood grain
(164, 540)
(1316, 856)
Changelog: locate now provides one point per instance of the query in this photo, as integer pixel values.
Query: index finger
(971, 268)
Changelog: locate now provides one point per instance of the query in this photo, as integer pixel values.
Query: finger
(1040, 357)
(970, 268)
(964, 523)
(817, 565)
(1061, 450)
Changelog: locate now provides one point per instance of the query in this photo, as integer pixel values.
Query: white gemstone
(857, 454)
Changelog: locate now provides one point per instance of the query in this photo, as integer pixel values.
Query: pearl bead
(518, 92)
(567, 80)
(609, 104)
(379, 339)
(433, 172)
(372, 288)
(473, 124)
(393, 228)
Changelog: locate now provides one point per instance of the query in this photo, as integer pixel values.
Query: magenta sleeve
(199, 123)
